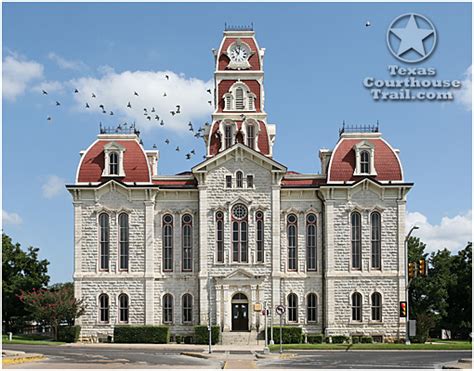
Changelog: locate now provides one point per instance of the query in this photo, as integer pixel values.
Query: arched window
(251, 136)
(312, 307)
(259, 235)
(123, 307)
(239, 179)
(292, 229)
(187, 308)
(311, 242)
(239, 234)
(356, 307)
(187, 241)
(228, 135)
(376, 232)
(104, 307)
(365, 162)
(356, 241)
(220, 236)
(167, 242)
(104, 236)
(376, 302)
(123, 241)
(167, 308)
(113, 163)
(292, 308)
(239, 99)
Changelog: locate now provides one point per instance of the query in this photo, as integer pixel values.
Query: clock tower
(239, 115)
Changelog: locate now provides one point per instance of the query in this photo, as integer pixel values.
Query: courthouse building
(239, 228)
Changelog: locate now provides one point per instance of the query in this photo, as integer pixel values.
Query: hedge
(141, 334)
(290, 334)
(201, 334)
(315, 338)
(356, 340)
(69, 334)
(366, 339)
(339, 339)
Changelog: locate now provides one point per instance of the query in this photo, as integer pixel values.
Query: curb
(195, 355)
(22, 359)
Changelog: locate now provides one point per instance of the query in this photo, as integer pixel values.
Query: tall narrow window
(292, 242)
(376, 302)
(251, 102)
(220, 236)
(123, 307)
(167, 242)
(123, 241)
(311, 242)
(375, 224)
(113, 163)
(249, 181)
(312, 307)
(292, 308)
(187, 308)
(104, 307)
(364, 162)
(239, 179)
(228, 136)
(228, 181)
(104, 235)
(251, 136)
(228, 101)
(356, 307)
(187, 229)
(239, 99)
(260, 248)
(356, 241)
(239, 234)
(167, 308)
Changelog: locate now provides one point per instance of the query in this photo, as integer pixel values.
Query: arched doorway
(240, 312)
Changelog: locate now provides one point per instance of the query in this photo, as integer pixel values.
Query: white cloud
(17, 74)
(11, 218)
(465, 93)
(451, 233)
(49, 86)
(114, 91)
(54, 186)
(66, 64)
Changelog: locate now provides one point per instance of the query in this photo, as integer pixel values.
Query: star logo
(411, 38)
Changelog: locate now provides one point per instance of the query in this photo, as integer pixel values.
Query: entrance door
(240, 313)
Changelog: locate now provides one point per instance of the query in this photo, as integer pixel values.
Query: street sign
(257, 307)
(280, 310)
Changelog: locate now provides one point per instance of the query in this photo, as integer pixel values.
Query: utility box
(412, 327)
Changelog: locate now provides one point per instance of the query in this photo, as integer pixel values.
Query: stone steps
(239, 338)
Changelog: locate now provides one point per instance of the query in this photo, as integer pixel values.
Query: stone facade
(238, 180)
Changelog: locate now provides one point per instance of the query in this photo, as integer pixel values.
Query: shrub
(188, 340)
(339, 339)
(290, 334)
(366, 339)
(141, 334)
(201, 334)
(177, 338)
(356, 340)
(69, 334)
(315, 338)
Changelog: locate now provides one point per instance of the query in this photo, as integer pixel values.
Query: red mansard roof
(263, 142)
(342, 164)
(176, 183)
(135, 163)
(288, 182)
(253, 60)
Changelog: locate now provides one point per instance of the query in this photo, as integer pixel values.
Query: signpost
(265, 313)
(280, 310)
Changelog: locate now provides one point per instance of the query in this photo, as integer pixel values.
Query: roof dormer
(113, 157)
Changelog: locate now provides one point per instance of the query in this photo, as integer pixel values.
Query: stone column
(149, 262)
(77, 251)
(203, 259)
(328, 305)
(227, 309)
(276, 248)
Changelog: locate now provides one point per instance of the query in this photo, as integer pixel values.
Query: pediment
(239, 274)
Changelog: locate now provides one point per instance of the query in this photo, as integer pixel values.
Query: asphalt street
(366, 359)
(87, 357)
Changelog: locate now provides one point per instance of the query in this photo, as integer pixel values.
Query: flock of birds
(150, 114)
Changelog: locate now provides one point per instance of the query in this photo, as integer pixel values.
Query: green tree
(53, 306)
(20, 271)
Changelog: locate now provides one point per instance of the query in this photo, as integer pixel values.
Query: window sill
(358, 323)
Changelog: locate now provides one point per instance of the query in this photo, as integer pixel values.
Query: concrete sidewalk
(11, 357)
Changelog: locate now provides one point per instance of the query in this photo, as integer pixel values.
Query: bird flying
(45, 92)
(129, 105)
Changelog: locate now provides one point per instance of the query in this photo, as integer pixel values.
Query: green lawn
(30, 340)
(439, 345)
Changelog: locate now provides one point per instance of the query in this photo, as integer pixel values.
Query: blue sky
(316, 58)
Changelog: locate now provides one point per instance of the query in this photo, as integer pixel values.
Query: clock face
(239, 53)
